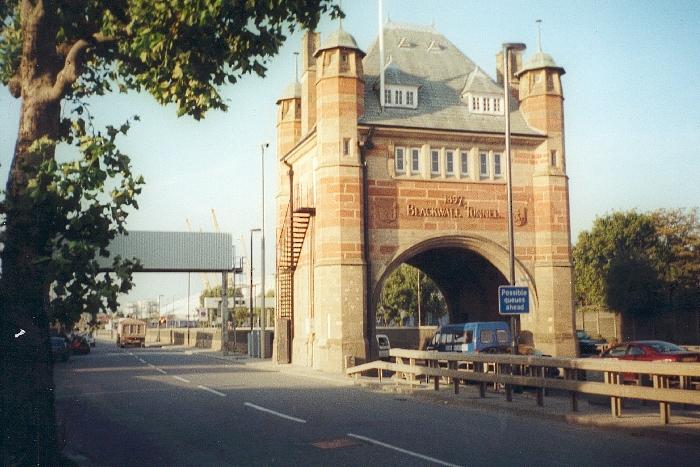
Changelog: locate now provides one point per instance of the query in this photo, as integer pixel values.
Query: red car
(79, 345)
(651, 350)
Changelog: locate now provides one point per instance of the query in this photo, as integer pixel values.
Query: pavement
(639, 418)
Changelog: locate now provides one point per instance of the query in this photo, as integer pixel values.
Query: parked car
(481, 336)
(651, 351)
(383, 345)
(59, 349)
(587, 345)
(90, 339)
(79, 345)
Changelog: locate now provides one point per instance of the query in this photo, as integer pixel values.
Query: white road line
(211, 390)
(404, 451)
(263, 409)
(142, 360)
(181, 379)
(159, 370)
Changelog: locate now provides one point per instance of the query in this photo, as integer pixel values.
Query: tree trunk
(28, 415)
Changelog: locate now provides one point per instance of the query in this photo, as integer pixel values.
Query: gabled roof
(423, 57)
(479, 83)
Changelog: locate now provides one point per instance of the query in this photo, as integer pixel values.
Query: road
(166, 407)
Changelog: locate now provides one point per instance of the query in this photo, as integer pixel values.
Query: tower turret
(542, 106)
(288, 118)
(540, 92)
(339, 211)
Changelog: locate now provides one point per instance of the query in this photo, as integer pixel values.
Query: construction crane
(214, 221)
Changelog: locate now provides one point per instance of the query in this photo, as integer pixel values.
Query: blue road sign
(513, 300)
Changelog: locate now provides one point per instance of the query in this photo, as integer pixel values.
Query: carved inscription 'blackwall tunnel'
(459, 213)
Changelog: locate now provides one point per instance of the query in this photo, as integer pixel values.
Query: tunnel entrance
(468, 281)
(462, 282)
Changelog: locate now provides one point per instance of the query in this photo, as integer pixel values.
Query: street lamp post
(250, 287)
(263, 314)
(507, 49)
(188, 308)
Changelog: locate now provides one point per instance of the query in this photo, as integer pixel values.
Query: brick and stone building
(364, 187)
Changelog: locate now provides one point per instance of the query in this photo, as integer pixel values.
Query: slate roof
(422, 56)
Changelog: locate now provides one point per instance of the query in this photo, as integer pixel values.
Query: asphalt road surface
(165, 407)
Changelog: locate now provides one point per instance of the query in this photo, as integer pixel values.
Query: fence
(671, 382)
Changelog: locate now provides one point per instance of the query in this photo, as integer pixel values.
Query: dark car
(587, 345)
(647, 351)
(79, 345)
(59, 349)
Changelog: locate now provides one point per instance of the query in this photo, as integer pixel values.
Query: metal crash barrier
(661, 382)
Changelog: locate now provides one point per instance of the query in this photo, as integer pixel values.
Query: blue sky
(632, 115)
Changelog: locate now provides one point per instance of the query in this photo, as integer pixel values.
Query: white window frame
(398, 96)
(387, 96)
(400, 161)
(409, 98)
(449, 161)
(486, 104)
(434, 159)
(415, 157)
(483, 164)
(464, 163)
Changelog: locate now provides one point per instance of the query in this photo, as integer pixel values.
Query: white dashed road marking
(181, 379)
(263, 409)
(404, 451)
(213, 391)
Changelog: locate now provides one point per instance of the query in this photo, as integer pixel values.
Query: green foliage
(399, 297)
(639, 263)
(83, 203)
(215, 291)
(10, 41)
(180, 51)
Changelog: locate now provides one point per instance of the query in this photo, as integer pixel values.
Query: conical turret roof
(538, 61)
(293, 91)
(339, 39)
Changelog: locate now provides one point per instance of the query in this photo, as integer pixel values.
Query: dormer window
(401, 96)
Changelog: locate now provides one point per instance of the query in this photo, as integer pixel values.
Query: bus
(131, 332)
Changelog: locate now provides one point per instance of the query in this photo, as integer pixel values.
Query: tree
(639, 263)
(59, 216)
(399, 297)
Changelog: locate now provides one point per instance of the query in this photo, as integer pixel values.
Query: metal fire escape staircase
(290, 243)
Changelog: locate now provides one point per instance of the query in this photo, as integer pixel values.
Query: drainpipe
(366, 144)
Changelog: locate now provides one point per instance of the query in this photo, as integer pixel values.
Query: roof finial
(539, 35)
(340, 18)
(296, 67)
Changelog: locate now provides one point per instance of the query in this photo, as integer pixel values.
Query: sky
(632, 116)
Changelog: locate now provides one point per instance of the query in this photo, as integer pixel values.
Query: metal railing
(670, 382)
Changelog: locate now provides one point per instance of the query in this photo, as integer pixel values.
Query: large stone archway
(466, 269)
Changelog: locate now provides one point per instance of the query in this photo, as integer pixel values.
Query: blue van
(490, 336)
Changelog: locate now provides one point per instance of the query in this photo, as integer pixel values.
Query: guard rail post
(661, 382)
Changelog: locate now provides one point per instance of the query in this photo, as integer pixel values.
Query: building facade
(419, 178)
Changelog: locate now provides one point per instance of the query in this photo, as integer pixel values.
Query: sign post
(513, 301)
